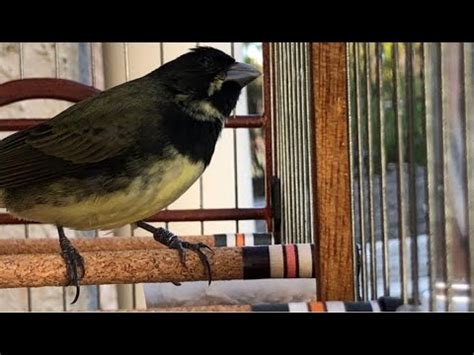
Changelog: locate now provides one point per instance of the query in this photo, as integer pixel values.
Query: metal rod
(308, 140)
(92, 66)
(57, 64)
(370, 150)
(234, 147)
(302, 155)
(21, 69)
(447, 155)
(412, 206)
(282, 76)
(427, 187)
(296, 191)
(218, 214)
(435, 158)
(18, 124)
(292, 142)
(303, 140)
(267, 130)
(350, 56)
(28, 290)
(384, 230)
(360, 154)
(21, 58)
(400, 175)
(56, 74)
(469, 139)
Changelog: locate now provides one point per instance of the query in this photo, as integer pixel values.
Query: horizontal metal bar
(18, 124)
(44, 88)
(221, 214)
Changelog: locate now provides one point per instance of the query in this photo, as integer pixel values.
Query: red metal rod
(222, 214)
(18, 124)
(267, 133)
(44, 88)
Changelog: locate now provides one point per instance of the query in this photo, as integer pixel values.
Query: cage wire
(292, 150)
(411, 140)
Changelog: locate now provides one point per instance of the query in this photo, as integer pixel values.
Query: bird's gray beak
(242, 74)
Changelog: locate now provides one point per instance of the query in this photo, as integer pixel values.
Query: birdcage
(346, 170)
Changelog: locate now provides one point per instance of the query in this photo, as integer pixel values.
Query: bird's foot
(172, 241)
(75, 269)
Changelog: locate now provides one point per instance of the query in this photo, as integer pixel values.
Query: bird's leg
(167, 238)
(74, 262)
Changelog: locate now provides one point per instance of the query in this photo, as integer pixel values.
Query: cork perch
(50, 246)
(116, 267)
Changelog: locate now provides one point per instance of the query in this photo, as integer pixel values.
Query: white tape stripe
(249, 240)
(305, 260)
(335, 306)
(276, 261)
(230, 240)
(375, 306)
(298, 307)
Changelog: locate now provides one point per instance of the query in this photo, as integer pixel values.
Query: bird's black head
(207, 80)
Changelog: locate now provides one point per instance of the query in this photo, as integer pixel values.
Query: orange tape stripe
(290, 261)
(240, 239)
(317, 307)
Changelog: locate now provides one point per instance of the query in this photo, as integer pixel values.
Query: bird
(124, 154)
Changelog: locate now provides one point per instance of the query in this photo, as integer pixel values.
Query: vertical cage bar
(126, 62)
(308, 140)
(469, 139)
(352, 101)
(21, 66)
(28, 289)
(434, 154)
(279, 133)
(293, 118)
(412, 206)
(400, 175)
(234, 137)
(21, 58)
(290, 142)
(92, 66)
(294, 136)
(427, 215)
(360, 166)
(299, 67)
(370, 149)
(267, 130)
(57, 74)
(286, 144)
(447, 154)
(383, 165)
(305, 153)
(93, 84)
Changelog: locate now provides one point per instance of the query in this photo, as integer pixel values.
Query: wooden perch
(116, 267)
(50, 246)
(160, 265)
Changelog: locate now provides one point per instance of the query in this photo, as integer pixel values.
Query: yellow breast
(155, 189)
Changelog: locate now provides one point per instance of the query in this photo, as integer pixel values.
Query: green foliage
(379, 94)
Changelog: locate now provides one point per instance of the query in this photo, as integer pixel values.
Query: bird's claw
(181, 246)
(74, 263)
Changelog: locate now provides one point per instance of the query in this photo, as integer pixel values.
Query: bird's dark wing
(89, 132)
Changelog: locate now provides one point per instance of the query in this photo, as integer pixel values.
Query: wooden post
(334, 270)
